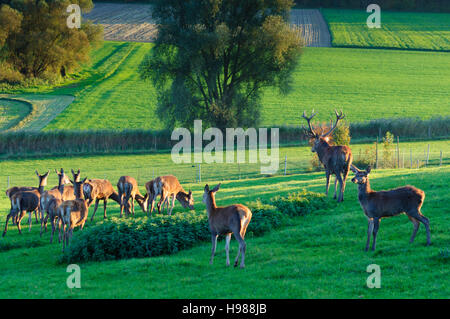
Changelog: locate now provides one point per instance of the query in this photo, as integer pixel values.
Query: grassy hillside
(319, 255)
(400, 30)
(366, 84)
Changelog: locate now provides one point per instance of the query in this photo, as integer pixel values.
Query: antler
(339, 116)
(311, 131)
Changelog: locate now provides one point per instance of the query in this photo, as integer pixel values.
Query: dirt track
(133, 22)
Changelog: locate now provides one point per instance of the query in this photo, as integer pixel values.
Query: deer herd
(66, 205)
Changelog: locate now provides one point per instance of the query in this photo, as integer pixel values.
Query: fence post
(428, 154)
(376, 154)
(285, 164)
(410, 156)
(440, 159)
(398, 153)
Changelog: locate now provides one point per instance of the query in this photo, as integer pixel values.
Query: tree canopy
(212, 58)
(35, 39)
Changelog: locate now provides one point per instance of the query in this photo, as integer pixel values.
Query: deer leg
(335, 189)
(376, 226)
(426, 223)
(327, 187)
(6, 224)
(161, 201)
(30, 214)
(132, 204)
(52, 222)
(369, 233)
(241, 251)
(105, 201)
(173, 203)
(213, 247)
(341, 194)
(227, 247)
(95, 209)
(416, 224)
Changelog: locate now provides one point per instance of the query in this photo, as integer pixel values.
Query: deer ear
(206, 188)
(369, 168)
(37, 173)
(83, 180)
(73, 173)
(71, 181)
(216, 188)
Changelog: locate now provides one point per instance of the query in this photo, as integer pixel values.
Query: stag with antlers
(335, 159)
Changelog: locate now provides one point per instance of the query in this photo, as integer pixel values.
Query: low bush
(163, 235)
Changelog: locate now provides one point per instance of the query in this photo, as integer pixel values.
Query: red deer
(21, 203)
(335, 159)
(376, 205)
(73, 213)
(168, 186)
(128, 188)
(99, 189)
(37, 190)
(227, 220)
(50, 195)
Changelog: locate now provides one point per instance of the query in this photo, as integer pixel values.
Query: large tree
(40, 40)
(212, 58)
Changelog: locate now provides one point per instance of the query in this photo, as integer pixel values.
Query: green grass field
(317, 256)
(366, 84)
(12, 112)
(399, 30)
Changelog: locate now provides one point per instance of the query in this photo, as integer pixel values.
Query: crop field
(383, 84)
(317, 255)
(399, 30)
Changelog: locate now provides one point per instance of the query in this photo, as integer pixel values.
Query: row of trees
(35, 40)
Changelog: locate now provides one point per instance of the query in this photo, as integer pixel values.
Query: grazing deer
(37, 190)
(73, 213)
(99, 189)
(376, 205)
(151, 194)
(128, 188)
(50, 195)
(335, 159)
(168, 186)
(21, 203)
(228, 220)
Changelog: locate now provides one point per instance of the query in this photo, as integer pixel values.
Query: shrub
(301, 203)
(341, 135)
(388, 150)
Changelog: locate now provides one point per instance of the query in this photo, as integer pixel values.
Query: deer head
(76, 176)
(62, 177)
(361, 177)
(42, 178)
(186, 200)
(320, 138)
(209, 194)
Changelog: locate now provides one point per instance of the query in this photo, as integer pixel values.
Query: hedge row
(164, 235)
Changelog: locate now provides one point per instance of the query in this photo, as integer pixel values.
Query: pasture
(382, 84)
(399, 30)
(319, 255)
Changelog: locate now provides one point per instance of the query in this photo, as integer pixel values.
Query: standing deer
(21, 203)
(151, 192)
(335, 159)
(99, 189)
(168, 186)
(128, 188)
(49, 197)
(227, 220)
(376, 205)
(37, 190)
(73, 213)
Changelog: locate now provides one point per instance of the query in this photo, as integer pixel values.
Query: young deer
(73, 213)
(49, 196)
(37, 190)
(99, 189)
(21, 203)
(128, 188)
(168, 186)
(228, 220)
(377, 205)
(335, 159)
